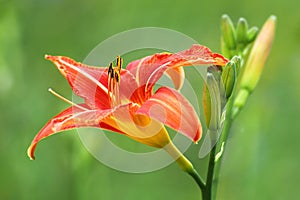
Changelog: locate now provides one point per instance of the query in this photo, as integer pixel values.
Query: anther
(117, 77)
(119, 63)
(111, 70)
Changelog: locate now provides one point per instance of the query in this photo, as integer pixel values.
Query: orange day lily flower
(124, 101)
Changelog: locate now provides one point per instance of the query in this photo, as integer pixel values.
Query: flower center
(114, 79)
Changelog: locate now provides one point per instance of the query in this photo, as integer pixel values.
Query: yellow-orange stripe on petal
(172, 109)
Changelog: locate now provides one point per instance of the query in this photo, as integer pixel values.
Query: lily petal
(137, 126)
(129, 88)
(149, 69)
(177, 75)
(90, 82)
(72, 117)
(87, 82)
(171, 108)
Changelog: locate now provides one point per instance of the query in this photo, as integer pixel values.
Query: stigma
(113, 84)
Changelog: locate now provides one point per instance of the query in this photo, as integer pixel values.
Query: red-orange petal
(149, 69)
(86, 81)
(172, 109)
(72, 117)
(90, 82)
(177, 75)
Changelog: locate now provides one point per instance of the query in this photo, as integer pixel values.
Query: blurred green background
(262, 158)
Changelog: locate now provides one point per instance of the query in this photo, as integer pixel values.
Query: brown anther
(117, 77)
(111, 70)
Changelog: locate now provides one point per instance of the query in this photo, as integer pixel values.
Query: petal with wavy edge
(87, 82)
(149, 69)
(90, 82)
(72, 117)
(171, 108)
(177, 75)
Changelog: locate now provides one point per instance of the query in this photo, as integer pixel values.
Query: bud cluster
(248, 51)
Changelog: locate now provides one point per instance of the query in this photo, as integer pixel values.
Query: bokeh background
(262, 158)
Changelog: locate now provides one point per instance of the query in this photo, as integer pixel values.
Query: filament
(66, 100)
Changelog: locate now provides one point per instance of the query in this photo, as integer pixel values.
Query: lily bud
(212, 98)
(238, 62)
(255, 63)
(251, 34)
(228, 32)
(258, 55)
(241, 31)
(228, 78)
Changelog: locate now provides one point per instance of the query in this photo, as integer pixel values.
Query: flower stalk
(184, 164)
(238, 83)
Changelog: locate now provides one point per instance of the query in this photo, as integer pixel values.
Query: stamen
(119, 64)
(110, 78)
(114, 82)
(66, 100)
(111, 70)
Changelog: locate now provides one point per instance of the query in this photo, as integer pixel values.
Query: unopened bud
(251, 34)
(212, 98)
(241, 32)
(228, 32)
(228, 78)
(255, 63)
(258, 55)
(238, 62)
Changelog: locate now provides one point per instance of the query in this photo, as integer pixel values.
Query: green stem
(194, 174)
(210, 175)
(222, 143)
(185, 164)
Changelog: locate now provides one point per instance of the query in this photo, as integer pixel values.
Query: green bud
(229, 78)
(251, 34)
(228, 32)
(238, 62)
(213, 87)
(241, 32)
(206, 101)
(225, 51)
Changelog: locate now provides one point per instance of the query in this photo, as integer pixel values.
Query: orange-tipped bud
(255, 63)
(258, 55)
